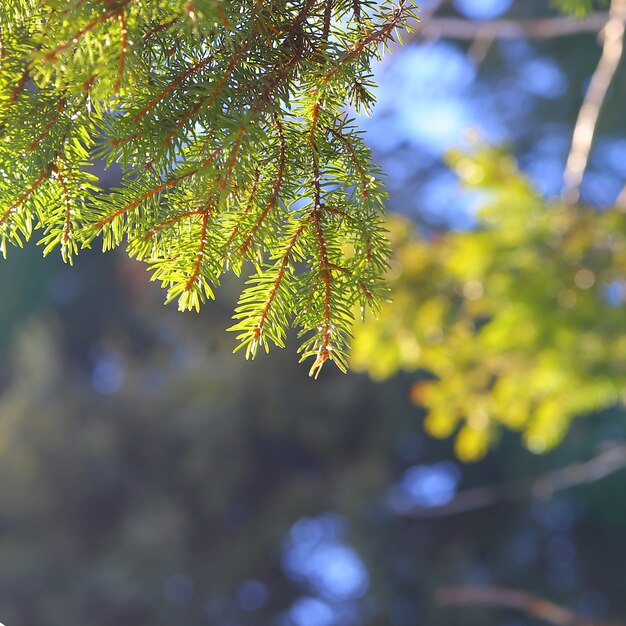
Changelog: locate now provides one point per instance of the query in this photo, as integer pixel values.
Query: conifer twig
(323, 353)
(167, 184)
(282, 269)
(278, 183)
(19, 86)
(67, 225)
(121, 18)
(200, 254)
(43, 175)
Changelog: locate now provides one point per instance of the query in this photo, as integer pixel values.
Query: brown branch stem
(172, 220)
(170, 182)
(544, 28)
(323, 353)
(378, 36)
(192, 69)
(593, 101)
(200, 254)
(610, 460)
(502, 597)
(51, 122)
(284, 262)
(123, 49)
(27, 194)
(67, 225)
(353, 157)
(278, 183)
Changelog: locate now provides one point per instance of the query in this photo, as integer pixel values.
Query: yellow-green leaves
(519, 322)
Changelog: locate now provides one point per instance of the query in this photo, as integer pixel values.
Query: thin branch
(604, 464)
(425, 17)
(233, 159)
(620, 202)
(353, 157)
(19, 86)
(189, 71)
(280, 275)
(323, 353)
(248, 208)
(208, 98)
(67, 222)
(106, 15)
(158, 29)
(172, 220)
(502, 597)
(382, 35)
(27, 194)
(278, 183)
(601, 79)
(545, 28)
(51, 122)
(201, 251)
(328, 13)
(169, 183)
(212, 97)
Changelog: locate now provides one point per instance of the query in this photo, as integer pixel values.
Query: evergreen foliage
(229, 120)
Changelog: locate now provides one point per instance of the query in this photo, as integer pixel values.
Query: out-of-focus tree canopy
(508, 279)
(148, 477)
(518, 321)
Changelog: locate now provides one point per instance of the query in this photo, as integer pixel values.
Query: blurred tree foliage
(149, 477)
(517, 322)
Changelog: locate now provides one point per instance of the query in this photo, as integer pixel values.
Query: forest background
(148, 475)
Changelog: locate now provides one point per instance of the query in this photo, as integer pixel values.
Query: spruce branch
(229, 121)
